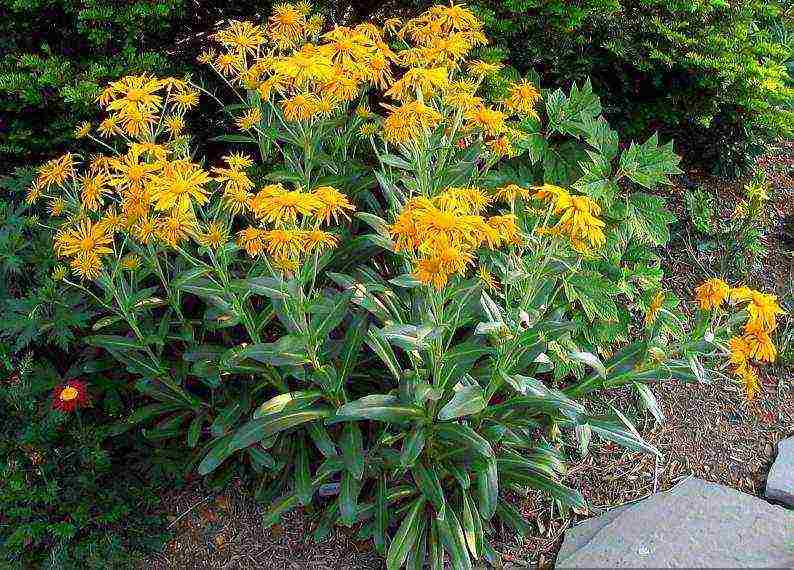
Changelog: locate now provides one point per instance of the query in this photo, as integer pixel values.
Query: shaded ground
(711, 432)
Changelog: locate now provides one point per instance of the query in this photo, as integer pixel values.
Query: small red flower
(70, 396)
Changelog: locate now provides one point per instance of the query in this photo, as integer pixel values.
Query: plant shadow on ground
(705, 435)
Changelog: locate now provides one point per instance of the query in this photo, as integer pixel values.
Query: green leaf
(406, 536)
(381, 515)
(648, 218)
(217, 454)
(512, 518)
(413, 444)
(649, 164)
(352, 446)
(429, 485)
(113, 342)
(329, 319)
(383, 349)
(621, 432)
(591, 360)
(273, 423)
(568, 115)
(348, 498)
(594, 293)
(488, 489)
(395, 161)
(464, 437)
(454, 541)
(466, 401)
(288, 400)
(381, 407)
(266, 286)
(303, 485)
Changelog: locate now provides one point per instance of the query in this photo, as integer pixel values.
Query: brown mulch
(710, 432)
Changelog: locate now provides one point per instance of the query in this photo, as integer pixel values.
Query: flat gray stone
(780, 483)
(578, 536)
(696, 525)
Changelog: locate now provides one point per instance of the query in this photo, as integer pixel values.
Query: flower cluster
(755, 343)
(577, 217)
(302, 75)
(290, 223)
(442, 234)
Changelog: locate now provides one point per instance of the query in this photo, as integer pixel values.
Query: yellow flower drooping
(250, 119)
(578, 217)
(278, 206)
(409, 121)
(329, 203)
(762, 308)
(712, 294)
(522, 98)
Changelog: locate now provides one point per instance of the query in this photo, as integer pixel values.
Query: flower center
(69, 393)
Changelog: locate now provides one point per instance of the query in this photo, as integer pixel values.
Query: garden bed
(711, 432)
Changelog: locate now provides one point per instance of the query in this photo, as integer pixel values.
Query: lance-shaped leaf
(466, 401)
(381, 407)
(289, 400)
(273, 423)
(621, 432)
(406, 536)
(266, 286)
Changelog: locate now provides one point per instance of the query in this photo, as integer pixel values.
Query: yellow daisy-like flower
(214, 236)
(740, 351)
(252, 240)
(483, 68)
(57, 206)
(511, 192)
(175, 125)
(241, 35)
(86, 238)
(762, 309)
(318, 241)
(330, 203)
(56, 171)
(82, 130)
(87, 266)
(238, 161)
(185, 99)
(487, 278)
(284, 244)
(287, 24)
(131, 262)
(406, 122)
(301, 107)
(95, 188)
(250, 119)
(179, 184)
(712, 294)
(431, 272)
(490, 121)
(232, 179)
(760, 345)
(177, 226)
(522, 98)
(144, 229)
(278, 206)
(749, 376)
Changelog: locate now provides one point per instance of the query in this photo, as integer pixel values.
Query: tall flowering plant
(396, 314)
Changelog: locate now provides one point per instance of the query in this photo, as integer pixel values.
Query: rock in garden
(780, 483)
(696, 525)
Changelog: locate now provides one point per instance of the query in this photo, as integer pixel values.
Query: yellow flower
(286, 25)
(522, 98)
(215, 235)
(654, 307)
(749, 376)
(59, 273)
(511, 192)
(57, 206)
(185, 99)
(482, 118)
(242, 35)
(463, 200)
(175, 125)
(305, 66)
(762, 309)
(284, 244)
(82, 130)
(278, 206)
(87, 266)
(506, 228)
(86, 238)
(579, 222)
(249, 120)
(131, 262)
(238, 161)
(341, 88)
(130, 172)
(33, 193)
(236, 201)
(252, 240)
(760, 345)
(712, 294)
(483, 68)
(138, 94)
(229, 64)
(406, 122)
(330, 203)
(95, 188)
(501, 147)
(144, 229)
(431, 272)
(110, 126)
(419, 80)
(320, 241)
(301, 107)
(177, 226)
(740, 350)
(232, 179)
(368, 129)
(56, 171)
(112, 221)
(179, 184)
